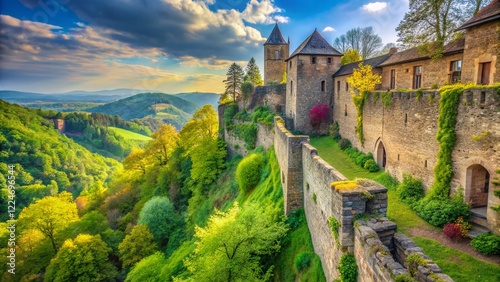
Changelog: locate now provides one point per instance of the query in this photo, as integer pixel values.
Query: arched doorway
(381, 155)
(477, 185)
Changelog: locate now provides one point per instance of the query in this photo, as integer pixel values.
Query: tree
(364, 40)
(386, 49)
(149, 269)
(137, 245)
(253, 73)
(430, 24)
(318, 114)
(246, 90)
(229, 248)
(158, 215)
(83, 259)
(164, 142)
(233, 81)
(136, 160)
(350, 56)
(50, 216)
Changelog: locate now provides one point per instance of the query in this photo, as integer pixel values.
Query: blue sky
(173, 46)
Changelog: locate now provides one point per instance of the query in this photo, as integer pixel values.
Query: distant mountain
(160, 107)
(201, 98)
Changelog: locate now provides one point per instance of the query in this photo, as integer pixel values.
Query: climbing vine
(447, 138)
(363, 81)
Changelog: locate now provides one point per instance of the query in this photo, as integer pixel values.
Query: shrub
(439, 212)
(371, 165)
(412, 263)
(410, 190)
(362, 158)
(314, 197)
(487, 244)
(403, 278)
(249, 171)
(344, 144)
(335, 131)
(452, 231)
(334, 226)
(348, 268)
(464, 225)
(302, 261)
(159, 215)
(229, 113)
(318, 114)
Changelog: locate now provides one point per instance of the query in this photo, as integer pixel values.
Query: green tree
(363, 40)
(350, 56)
(164, 142)
(137, 160)
(233, 81)
(248, 172)
(158, 215)
(229, 248)
(137, 245)
(149, 269)
(253, 73)
(50, 216)
(83, 259)
(430, 24)
(246, 90)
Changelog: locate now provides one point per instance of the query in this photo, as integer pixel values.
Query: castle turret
(309, 79)
(276, 51)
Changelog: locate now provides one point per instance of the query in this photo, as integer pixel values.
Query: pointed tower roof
(276, 38)
(316, 44)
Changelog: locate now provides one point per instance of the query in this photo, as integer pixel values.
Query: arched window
(277, 55)
(323, 86)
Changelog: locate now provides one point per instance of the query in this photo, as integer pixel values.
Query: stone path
(462, 245)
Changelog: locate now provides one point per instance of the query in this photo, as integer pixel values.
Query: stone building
(276, 50)
(402, 137)
(309, 80)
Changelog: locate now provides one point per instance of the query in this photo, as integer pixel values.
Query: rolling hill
(201, 98)
(146, 106)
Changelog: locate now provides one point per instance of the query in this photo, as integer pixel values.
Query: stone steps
(477, 230)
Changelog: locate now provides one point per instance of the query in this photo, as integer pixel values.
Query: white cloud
(328, 29)
(261, 12)
(375, 7)
(281, 19)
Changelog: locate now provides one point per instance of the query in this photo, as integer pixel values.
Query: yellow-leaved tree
(362, 81)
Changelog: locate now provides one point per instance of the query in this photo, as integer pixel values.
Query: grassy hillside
(129, 135)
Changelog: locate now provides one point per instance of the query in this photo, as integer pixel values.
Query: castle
(402, 137)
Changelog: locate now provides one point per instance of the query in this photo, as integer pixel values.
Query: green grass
(129, 135)
(331, 153)
(459, 265)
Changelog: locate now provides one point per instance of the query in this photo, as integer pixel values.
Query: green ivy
(387, 99)
(447, 138)
(359, 103)
(334, 226)
(247, 132)
(348, 268)
(314, 197)
(419, 93)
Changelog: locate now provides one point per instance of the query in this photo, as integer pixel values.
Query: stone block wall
(404, 247)
(481, 46)
(271, 95)
(274, 67)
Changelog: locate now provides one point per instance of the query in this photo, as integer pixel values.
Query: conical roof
(316, 44)
(276, 38)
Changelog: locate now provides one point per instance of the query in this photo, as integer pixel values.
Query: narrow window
(346, 86)
(482, 99)
(417, 77)
(425, 164)
(487, 182)
(338, 86)
(291, 87)
(484, 73)
(290, 64)
(393, 79)
(345, 111)
(323, 86)
(455, 71)
(329, 60)
(277, 55)
(398, 157)
(406, 119)
(313, 60)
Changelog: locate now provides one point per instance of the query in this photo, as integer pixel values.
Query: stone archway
(381, 156)
(477, 185)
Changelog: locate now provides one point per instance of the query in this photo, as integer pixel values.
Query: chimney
(393, 50)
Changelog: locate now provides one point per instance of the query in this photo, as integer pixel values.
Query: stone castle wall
(407, 130)
(275, 67)
(269, 95)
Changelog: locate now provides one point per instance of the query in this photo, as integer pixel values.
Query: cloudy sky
(52, 46)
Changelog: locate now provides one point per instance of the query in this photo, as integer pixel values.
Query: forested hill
(46, 162)
(169, 108)
(200, 98)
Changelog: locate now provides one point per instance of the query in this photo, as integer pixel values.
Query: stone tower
(276, 51)
(309, 81)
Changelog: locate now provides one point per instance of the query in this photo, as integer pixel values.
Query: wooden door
(485, 73)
